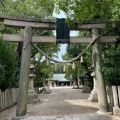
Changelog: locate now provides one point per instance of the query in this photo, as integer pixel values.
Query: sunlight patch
(82, 103)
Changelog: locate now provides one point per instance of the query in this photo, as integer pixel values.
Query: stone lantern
(32, 95)
(94, 95)
(31, 77)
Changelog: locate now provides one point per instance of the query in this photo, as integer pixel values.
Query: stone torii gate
(27, 39)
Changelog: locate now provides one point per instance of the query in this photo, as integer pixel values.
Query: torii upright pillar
(24, 75)
(102, 96)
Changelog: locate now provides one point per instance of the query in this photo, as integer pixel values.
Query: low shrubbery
(7, 66)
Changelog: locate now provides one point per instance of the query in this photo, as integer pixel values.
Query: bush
(2, 75)
(111, 65)
(7, 65)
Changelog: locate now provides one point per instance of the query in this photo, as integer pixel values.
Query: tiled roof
(59, 77)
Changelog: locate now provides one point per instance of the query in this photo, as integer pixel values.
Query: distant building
(58, 79)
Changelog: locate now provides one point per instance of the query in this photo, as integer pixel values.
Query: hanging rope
(28, 41)
(68, 61)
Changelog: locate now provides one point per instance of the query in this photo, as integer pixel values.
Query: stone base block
(116, 111)
(86, 89)
(46, 90)
(104, 113)
(93, 96)
(32, 97)
(19, 117)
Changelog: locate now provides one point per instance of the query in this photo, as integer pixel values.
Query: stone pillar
(102, 96)
(110, 97)
(116, 97)
(24, 75)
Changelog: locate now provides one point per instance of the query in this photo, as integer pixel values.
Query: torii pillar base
(32, 97)
(104, 113)
(93, 96)
(20, 117)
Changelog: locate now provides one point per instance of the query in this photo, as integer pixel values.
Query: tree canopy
(82, 11)
(28, 9)
(87, 10)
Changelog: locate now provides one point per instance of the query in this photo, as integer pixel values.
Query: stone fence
(8, 98)
(113, 93)
(116, 99)
(116, 96)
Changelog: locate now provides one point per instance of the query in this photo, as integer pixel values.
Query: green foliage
(28, 8)
(8, 62)
(111, 58)
(87, 10)
(73, 74)
(73, 51)
(2, 75)
(111, 64)
(84, 11)
(43, 72)
(49, 49)
(60, 68)
(116, 10)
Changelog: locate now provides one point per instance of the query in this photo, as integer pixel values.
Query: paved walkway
(64, 103)
(93, 116)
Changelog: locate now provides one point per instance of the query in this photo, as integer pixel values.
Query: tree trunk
(76, 80)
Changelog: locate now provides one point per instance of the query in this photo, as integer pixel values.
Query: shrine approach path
(64, 103)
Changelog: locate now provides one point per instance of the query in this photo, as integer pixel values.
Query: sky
(72, 33)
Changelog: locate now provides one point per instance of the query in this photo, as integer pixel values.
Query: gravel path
(64, 103)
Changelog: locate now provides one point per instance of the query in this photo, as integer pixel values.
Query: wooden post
(102, 96)
(24, 73)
